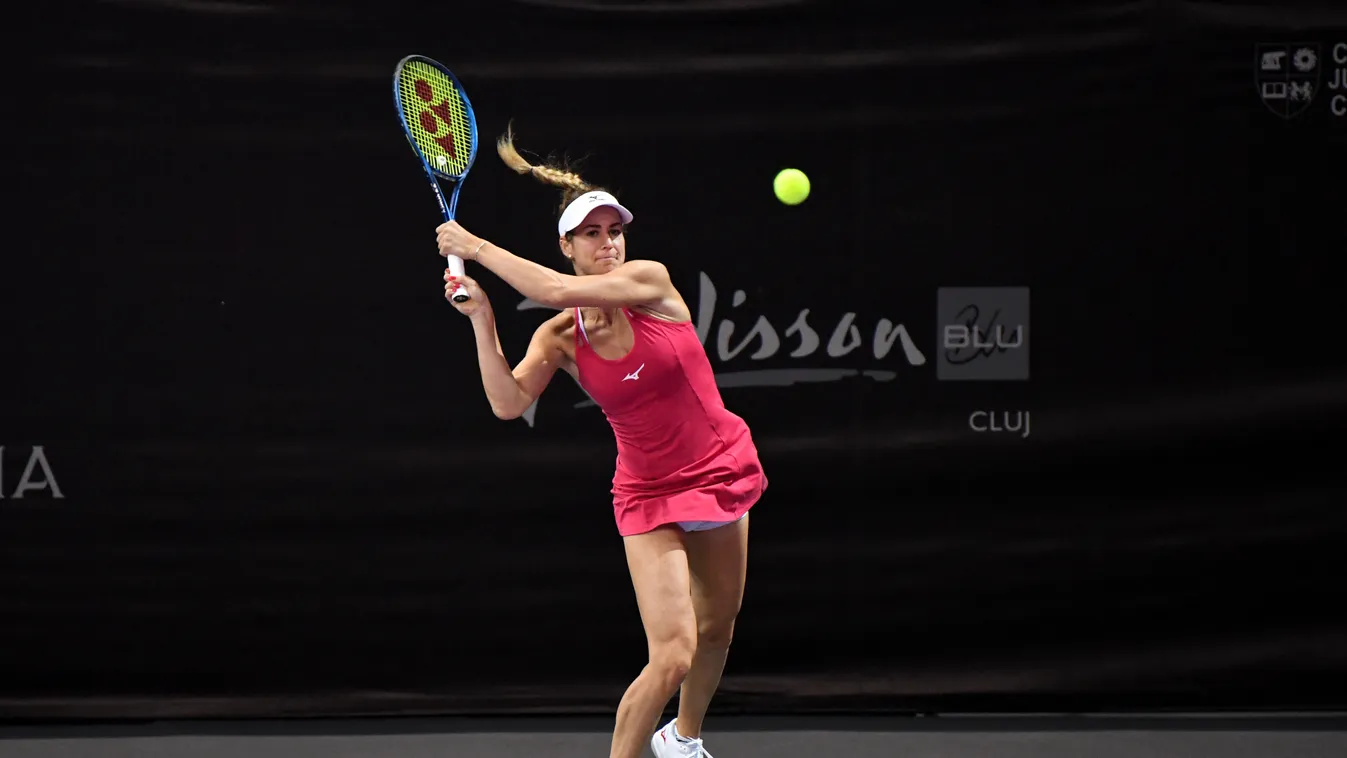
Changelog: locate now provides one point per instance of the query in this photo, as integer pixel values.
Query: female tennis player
(687, 469)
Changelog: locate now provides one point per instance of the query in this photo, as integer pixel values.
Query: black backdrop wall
(282, 491)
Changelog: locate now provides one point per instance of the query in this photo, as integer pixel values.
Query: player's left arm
(634, 283)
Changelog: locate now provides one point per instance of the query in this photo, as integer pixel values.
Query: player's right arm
(511, 391)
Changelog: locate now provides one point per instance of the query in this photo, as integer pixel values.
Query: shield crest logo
(1288, 76)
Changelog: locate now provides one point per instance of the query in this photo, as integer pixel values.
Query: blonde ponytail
(570, 182)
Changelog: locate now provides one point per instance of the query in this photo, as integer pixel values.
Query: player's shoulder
(556, 327)
(645, 268)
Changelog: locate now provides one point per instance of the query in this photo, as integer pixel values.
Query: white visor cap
(581, 206)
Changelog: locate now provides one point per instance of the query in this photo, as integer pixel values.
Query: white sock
(678, 736)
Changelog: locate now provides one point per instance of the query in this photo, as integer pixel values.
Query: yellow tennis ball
(791, 186)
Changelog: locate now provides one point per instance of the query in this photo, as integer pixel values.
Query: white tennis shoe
(667, 744)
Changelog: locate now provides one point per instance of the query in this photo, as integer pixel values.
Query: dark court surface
(1294, 736)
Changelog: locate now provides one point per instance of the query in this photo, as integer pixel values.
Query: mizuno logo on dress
(635, 374)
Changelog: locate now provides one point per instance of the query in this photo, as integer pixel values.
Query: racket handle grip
(456, 268)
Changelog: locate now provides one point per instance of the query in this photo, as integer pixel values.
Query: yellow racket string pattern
(436, 117)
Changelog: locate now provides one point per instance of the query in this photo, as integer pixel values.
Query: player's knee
(715, 632)
(672, 659)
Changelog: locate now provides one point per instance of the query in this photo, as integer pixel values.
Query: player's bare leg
(660, 576)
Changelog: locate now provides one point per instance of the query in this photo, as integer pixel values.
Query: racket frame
(449, 205)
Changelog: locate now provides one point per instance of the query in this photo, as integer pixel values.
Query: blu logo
(983, 333)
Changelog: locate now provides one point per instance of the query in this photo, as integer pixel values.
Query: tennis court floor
(1287, 736)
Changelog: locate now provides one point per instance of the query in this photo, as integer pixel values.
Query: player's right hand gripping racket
(438, 121)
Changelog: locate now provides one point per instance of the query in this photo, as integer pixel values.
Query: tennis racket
(439, 123)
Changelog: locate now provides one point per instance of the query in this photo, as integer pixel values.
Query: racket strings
(436, 117)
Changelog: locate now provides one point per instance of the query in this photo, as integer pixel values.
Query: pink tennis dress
(681, 456)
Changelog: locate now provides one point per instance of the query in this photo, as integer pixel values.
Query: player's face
(599, 244)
